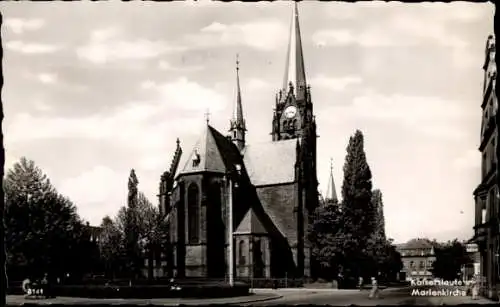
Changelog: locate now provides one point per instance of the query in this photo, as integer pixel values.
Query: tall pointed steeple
(295, 76)
(237, 123)
(331, 192)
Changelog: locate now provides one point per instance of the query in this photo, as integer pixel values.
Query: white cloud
(109, 45)
(430, 115)
(335, 84)
(471, 159)
(47, 78)
(407, 26)
(132, 121)
(21, 25)
(97, 192)
(255, 84)
(164, 65)
(188, 95)
(264, 35)
(31, 48)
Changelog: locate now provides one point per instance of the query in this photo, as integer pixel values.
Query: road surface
(401, 296)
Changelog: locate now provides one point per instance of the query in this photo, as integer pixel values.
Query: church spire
(237, 123)
(331, 192)
(295, 76)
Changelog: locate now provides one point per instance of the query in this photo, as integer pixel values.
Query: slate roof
(214, 152)
(250, 224)
(271, 162)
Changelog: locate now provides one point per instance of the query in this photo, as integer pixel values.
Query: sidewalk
(19, 300)
(457, 300)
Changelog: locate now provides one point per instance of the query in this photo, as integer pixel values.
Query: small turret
(237, 124)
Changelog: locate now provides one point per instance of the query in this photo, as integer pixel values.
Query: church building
(271, 186)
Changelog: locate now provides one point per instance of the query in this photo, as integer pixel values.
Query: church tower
(237, 124)
(293, 113)
(331, 192)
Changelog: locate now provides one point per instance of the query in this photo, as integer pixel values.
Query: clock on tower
(290, 112)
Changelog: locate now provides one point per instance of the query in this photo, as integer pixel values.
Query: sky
(93, 90)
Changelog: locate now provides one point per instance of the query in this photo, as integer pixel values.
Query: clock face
(290, 111)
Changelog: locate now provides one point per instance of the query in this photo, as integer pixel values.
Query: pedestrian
(44, 285)
(475, 287)
(360, 283)
(26, 285)
(374, 290)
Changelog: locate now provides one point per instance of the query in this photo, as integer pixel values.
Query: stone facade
(486, 194)
(272, 187)
(418, 258)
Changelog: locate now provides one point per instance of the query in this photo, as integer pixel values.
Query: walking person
(360, 283)
(374, 290)
(475, 287)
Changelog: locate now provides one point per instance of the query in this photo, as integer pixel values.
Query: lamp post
(230, 233)
(230, 222)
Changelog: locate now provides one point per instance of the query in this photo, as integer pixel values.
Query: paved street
(400, 296)
(269, 297)
(19, 300)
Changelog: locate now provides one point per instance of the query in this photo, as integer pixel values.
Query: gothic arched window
(193, 214)
(241, 260)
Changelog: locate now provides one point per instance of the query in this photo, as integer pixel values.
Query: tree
(111, 246)
(326, 237)
(450, 258)
(131, 229)
(379, 214)
(358, 212)
(44, 232)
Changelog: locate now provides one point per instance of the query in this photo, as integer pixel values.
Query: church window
(241, 258)
(193, 214)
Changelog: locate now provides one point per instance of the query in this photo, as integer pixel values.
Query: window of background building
(483, 216)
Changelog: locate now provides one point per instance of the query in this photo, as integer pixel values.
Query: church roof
(250, 224)
(271, 162)
(213, 152)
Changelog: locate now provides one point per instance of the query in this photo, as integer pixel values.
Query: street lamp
(228, 178)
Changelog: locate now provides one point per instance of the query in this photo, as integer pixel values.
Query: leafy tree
(326, 237)
(44, 232)
(450, 258)
(358, 212)
(111, 246)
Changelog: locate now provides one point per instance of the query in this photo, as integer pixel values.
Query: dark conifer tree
(358, 212)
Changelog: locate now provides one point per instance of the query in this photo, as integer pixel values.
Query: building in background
(486, 195)
(418, 259)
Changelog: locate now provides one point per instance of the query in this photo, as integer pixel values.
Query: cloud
(409, 26)
(47, 78)
(264, 35)
(256, 84)
(138, 120)
(164, 65)
(471, 159)
(109, 45)
(31, 48)
(430, 115)
(335, 84)
(187, 95)
(95, 192)
(21, 25)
